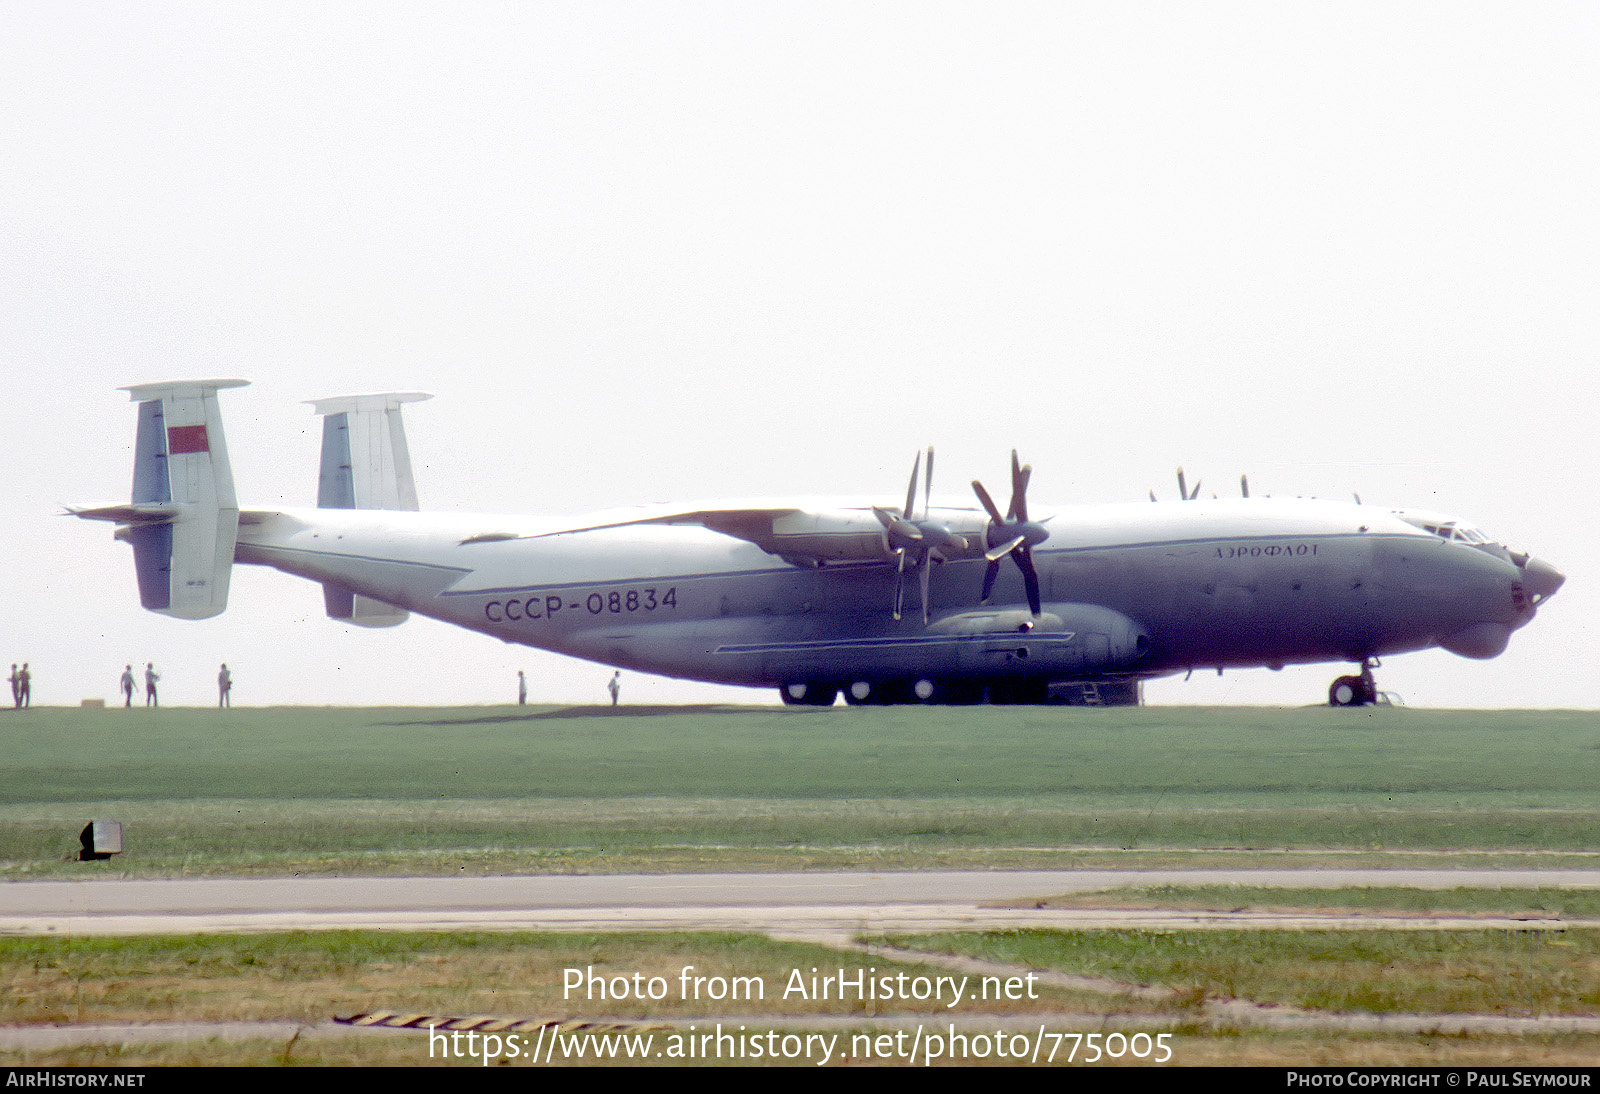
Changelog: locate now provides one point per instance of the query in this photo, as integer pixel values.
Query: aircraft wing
(799, 536)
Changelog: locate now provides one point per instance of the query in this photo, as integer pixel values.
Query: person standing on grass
(522, 689)
(150, 678)
(128, 687)
(25, 688)
(16, 687)
(225, 688)
(615, 686)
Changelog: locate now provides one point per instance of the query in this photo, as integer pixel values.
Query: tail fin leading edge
(366, 464)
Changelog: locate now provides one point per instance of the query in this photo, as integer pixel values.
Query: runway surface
(803, 904)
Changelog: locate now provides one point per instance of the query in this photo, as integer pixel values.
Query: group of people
(151, 678)
(21, 686)
(614, 687)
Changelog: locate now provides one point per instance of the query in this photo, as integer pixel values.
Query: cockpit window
(1443, 527)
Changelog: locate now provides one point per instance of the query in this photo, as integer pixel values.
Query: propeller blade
(988, 581)
(995, 554)
(927, 486)
(1018, 486)
(1030, 578)
(1019, 500)
(988, 502)
(911, 490)
(927, 574)
(900, 583)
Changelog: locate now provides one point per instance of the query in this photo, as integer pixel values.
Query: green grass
(313, 977)
(589, 788)
(317, 976)
(1534, 972)
(307, 790)
(1232, 756)
(1500, 903)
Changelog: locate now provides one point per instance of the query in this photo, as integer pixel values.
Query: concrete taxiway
(804, 904)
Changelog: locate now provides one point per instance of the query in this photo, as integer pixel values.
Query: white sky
(657, 251)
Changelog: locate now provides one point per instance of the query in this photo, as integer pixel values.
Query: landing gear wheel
(1345, 692)
(1354, 691)
(876, 693)
(863, 693)
(808, 694)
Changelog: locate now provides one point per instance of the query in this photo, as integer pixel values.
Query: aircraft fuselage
(1129, 592)
(812, 596)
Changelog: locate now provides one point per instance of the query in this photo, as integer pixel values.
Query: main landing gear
(1355, 691)
(962, 692)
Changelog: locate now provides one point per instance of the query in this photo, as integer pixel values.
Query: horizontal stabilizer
(125, 513)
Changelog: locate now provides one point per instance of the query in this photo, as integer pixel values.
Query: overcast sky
(658, 251)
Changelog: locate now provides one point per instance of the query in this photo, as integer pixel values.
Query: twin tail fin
(183, 516)
(366, 464)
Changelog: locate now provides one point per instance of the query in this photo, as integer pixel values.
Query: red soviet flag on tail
(183, 439)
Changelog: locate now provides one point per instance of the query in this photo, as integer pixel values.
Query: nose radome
(1541, 579)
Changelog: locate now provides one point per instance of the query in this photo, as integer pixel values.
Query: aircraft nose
(1540, 578)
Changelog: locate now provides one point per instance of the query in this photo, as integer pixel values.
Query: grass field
(562, 789)
(313, 790)
(1172, 985)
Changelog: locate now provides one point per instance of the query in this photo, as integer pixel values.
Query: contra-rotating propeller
(1014, 534)
(928, 537)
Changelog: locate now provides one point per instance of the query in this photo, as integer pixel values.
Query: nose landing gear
(1355, 691)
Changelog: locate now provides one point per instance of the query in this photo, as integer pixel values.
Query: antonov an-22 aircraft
(1081, 605)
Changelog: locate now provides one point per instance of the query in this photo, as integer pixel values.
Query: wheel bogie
(960, 691)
